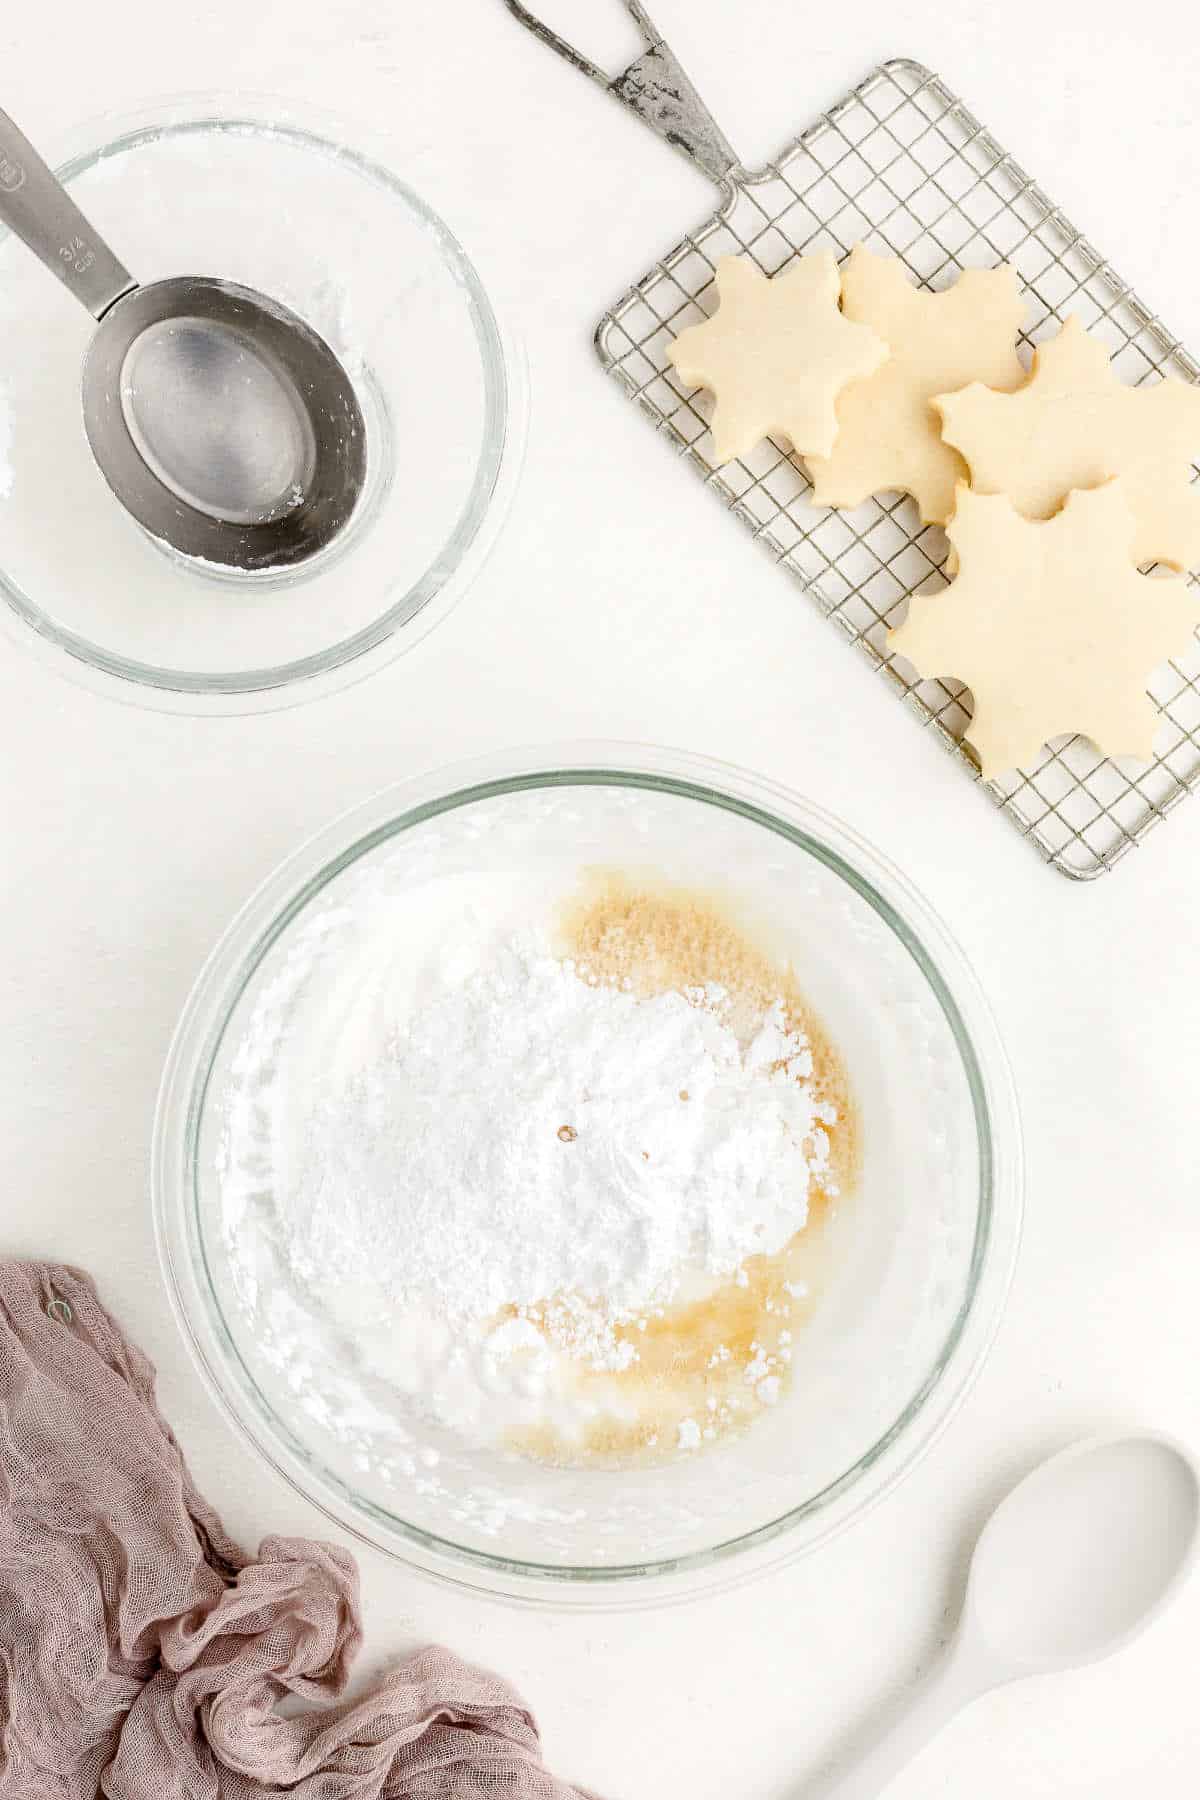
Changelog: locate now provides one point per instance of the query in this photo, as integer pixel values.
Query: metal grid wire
(902, 166)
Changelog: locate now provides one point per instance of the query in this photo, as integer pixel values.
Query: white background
(621, 602)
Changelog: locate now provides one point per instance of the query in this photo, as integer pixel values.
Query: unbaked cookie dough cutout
(1050, 626)
(1074, 424)
(775, 355)
(889, 438)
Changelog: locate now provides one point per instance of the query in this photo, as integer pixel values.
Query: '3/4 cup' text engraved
(77, 255)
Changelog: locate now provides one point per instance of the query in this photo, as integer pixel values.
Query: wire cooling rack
(902, 166)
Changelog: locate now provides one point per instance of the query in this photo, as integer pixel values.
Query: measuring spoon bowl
(221, 421)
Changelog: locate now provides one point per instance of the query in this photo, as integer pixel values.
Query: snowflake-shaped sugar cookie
(1073, 425)
(889, 438)
(1050, 625)
(776, 354)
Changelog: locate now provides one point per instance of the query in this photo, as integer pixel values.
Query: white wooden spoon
(1073, 1563)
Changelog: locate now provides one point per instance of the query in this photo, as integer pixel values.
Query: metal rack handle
(656, 88)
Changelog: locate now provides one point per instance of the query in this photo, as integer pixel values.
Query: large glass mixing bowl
(919, 1255)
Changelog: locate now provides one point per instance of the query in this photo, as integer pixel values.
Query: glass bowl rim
(385, 815)
(371, 153)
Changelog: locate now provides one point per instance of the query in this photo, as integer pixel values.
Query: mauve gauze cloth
(143, 1654)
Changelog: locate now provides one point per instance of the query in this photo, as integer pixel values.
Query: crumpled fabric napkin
(143, 1654)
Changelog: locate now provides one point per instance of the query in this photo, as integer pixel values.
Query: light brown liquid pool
(708, 1365)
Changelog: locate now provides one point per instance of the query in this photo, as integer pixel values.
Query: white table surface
(620, 603)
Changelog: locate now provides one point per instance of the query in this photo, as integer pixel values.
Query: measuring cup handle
(36, 206)
(655, 87)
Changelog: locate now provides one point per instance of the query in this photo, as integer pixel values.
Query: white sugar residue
(529, 1158)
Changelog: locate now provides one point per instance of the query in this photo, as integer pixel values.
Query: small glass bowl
(256, 192)
(920, 1255)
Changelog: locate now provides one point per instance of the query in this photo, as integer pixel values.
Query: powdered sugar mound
(528, 1141)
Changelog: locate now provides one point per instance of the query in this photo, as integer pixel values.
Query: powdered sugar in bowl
(589, 1175)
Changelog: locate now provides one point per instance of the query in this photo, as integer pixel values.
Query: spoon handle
(36, 206)
(879, 1755)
